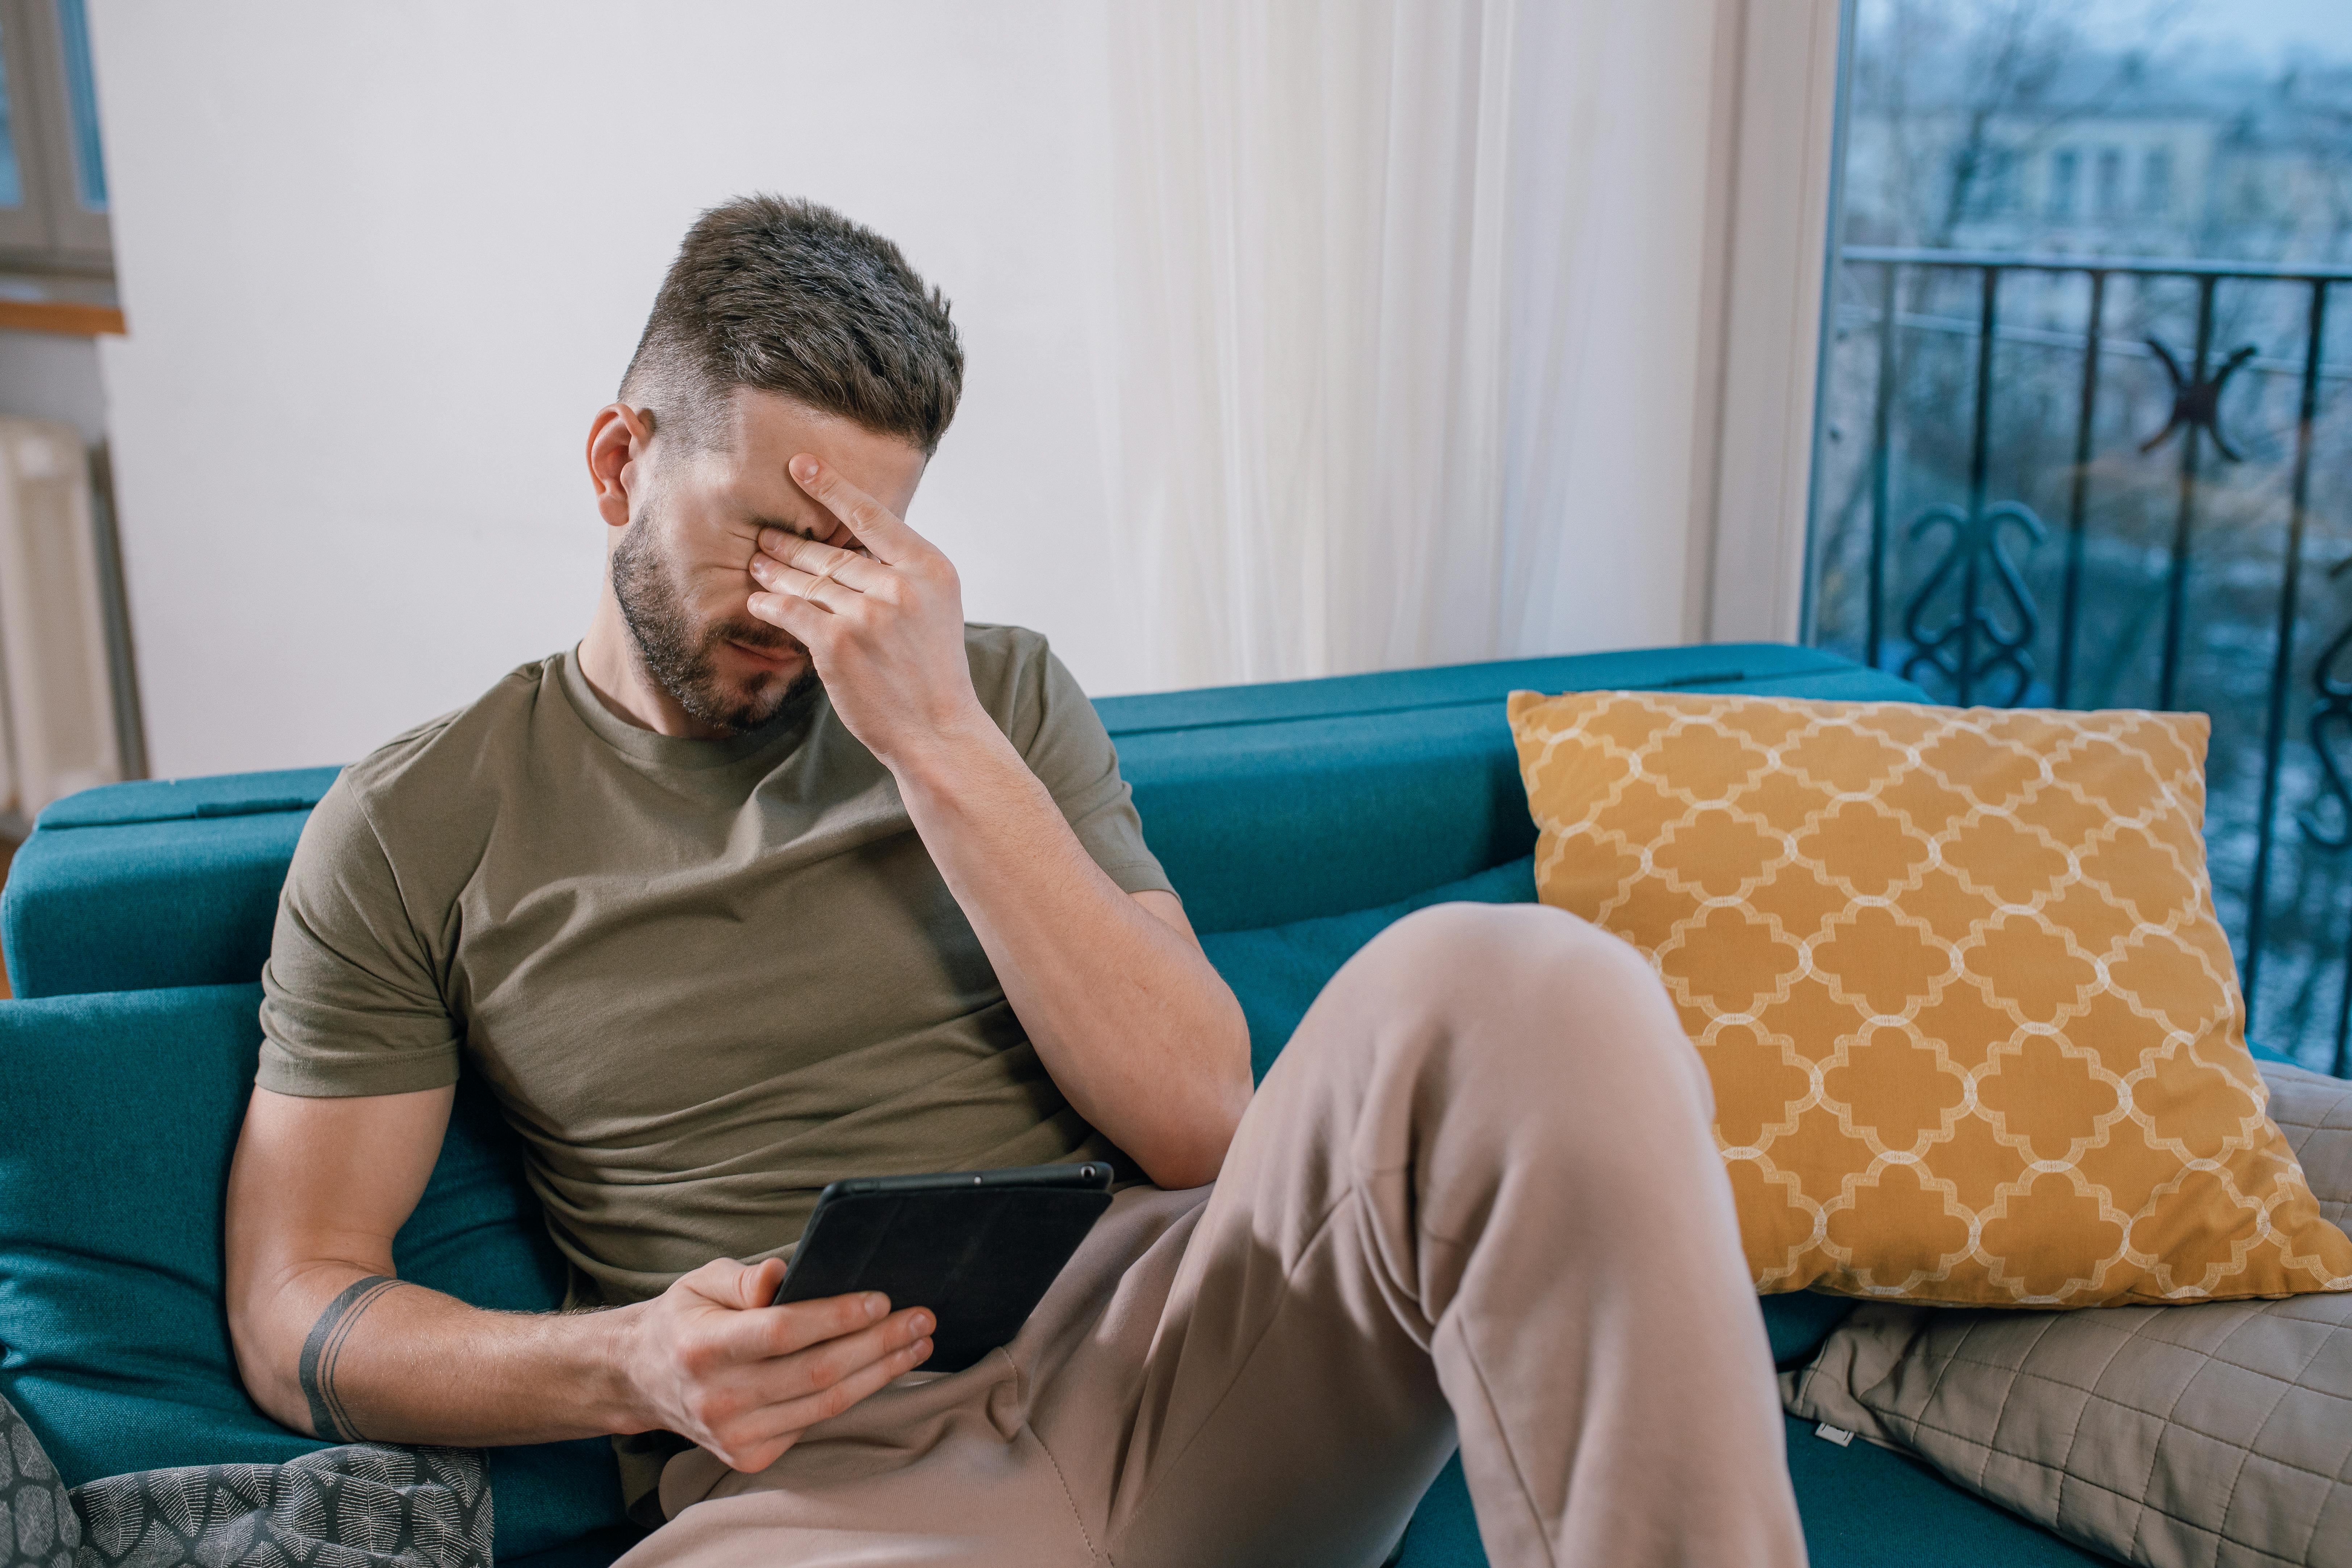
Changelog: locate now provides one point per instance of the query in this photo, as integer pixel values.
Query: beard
(679, 653)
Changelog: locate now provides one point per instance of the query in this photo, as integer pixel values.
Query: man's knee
(1518, 1043)
(1554, 1007)
(1508, 940)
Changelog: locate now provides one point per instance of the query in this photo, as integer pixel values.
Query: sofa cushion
(1277, 971)
(362, 1505)
(158, 882)
(1972, 1020)
(145, 904)
(1865, 1507)
(38, 1526)
(2313, 1114)
(1862, 1508)
(115, 1348)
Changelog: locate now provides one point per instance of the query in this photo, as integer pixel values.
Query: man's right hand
(317, 1192)
(712, 1360)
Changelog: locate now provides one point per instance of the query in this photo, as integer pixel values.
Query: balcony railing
(2202, 555)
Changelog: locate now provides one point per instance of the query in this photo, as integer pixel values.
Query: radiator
(59, 729)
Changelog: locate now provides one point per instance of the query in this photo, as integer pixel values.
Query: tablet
(978, 1248)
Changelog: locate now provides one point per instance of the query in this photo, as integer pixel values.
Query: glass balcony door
(2085, 437)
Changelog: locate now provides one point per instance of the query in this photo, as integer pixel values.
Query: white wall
(381, 263)
(46, 375)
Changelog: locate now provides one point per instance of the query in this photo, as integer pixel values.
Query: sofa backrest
(1298, 799)
(1266, 804)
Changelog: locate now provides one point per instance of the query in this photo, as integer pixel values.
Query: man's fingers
(884, 534)
(764, 1375)
(804, 1406)
(853, 1385)
(850, 568)
(833, 1320)
(823, 1365)
(738, 1285)
(777, 1331)
(797, 1351)
(818, 587)
(805, 618)
(792, 582)
(758, 1285)
(763, 1436)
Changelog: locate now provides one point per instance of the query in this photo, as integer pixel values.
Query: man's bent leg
(1483, 1166)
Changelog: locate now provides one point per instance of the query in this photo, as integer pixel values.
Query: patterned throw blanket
(364, 1505)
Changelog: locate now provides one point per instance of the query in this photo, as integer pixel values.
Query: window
(2156, 181)
(2002, 177)
(2065, 175)
(52, 173)
(2111, 182)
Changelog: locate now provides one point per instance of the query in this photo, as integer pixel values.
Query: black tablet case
(979, 1258)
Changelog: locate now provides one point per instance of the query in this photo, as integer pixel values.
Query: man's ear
(618, 438)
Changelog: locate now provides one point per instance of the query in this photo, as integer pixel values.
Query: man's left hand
(882, 623)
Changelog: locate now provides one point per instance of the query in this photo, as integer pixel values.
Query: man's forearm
(330, 1342)
(349, 1356)
(1136, 1028)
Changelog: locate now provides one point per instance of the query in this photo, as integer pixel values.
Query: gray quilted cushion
(38, 1527)
(363, 1505)
(2192, 1437)
(2316, 1113)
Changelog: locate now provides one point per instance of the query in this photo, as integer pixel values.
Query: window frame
(52, 232)
(1752, 525)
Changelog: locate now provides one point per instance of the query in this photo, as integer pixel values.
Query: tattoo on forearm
(324, 1349)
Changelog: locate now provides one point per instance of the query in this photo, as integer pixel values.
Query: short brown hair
(790, 296)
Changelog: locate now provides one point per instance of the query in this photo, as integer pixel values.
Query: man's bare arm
(1127, 1013)
(332, 1341)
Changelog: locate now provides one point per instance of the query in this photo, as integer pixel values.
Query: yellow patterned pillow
(1973, 1027)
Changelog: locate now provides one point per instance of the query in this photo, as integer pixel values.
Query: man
(784, 874)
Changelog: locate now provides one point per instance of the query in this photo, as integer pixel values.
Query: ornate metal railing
(1968, 621)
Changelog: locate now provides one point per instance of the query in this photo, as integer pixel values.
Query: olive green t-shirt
(702, 978)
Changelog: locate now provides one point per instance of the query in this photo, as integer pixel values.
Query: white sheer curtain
(1390, 277)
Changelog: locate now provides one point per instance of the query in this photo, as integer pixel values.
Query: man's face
(681, 567)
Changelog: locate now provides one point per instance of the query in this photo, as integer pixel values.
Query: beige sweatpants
(1477, 1195)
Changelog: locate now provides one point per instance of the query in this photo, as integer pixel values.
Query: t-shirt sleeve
(1063, 740)
(350, 1001)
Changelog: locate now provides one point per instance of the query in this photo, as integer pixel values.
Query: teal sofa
(1297, 819)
